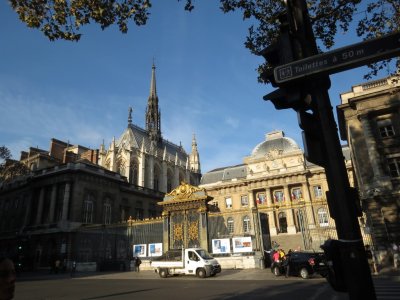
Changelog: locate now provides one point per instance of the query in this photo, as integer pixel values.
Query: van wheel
(163, 273)
(276, 271)
(201, 273)
(304, 273)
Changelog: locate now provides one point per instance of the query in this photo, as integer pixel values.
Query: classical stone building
(279, 187)
(42, 215)
(369, 120)
(148, 160)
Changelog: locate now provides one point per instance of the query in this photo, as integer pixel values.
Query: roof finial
(130, 115)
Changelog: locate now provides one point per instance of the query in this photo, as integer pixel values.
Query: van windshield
(204, 254)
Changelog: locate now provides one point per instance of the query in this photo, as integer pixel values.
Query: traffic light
(295, 97)
(282, 51)
(314, 148)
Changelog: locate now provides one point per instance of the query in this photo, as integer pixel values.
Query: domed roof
(275, 143)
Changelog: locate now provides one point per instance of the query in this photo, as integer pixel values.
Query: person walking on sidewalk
(73, 268)
(395, 253)
(137, 264)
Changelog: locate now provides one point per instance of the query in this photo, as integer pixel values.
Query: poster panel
(242, 244)
(139, 250)
(221, 246)
(155, 249)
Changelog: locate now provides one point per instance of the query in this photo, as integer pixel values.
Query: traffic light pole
(294, 48)
(342, 205)
(342, 199)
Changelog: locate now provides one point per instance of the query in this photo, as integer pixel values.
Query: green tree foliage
(9, 168)
(62, 19)
(372, 19)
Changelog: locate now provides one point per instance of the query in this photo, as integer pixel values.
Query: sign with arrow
(342, 59)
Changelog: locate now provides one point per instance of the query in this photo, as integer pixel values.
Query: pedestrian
(73, 268)
(7, 278)
(57, 265)
(371, 259)
(286, 264)
(275, 256)
(395, 254)
(137, 264)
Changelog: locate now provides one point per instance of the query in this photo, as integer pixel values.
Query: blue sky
(206, 84)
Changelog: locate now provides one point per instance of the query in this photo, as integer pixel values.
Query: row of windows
(322, 214)
(278, 196)
(245, 223)
(88, 211)
(386, 130)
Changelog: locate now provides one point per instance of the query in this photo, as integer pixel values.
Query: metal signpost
(342, 59)
(300, 71)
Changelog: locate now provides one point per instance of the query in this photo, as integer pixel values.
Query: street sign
(341, 59)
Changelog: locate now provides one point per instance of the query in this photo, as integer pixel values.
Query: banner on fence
(242, 244)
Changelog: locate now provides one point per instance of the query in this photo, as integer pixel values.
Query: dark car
(304, 264)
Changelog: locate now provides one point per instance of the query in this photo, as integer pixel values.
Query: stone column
(203, 228)
(165, 216)
(66, 202)
(176, 177)
(291, 229)
(151, 173)
(52, 203)
(251, 198)
(308, 206)
(164, 177)
(287, 195)
(142, 169)
(272, 224)
(40, 206)
(268, 196)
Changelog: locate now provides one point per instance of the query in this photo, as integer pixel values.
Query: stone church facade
(76, 203)
(148, 160)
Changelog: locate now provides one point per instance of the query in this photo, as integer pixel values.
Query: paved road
(230, 284)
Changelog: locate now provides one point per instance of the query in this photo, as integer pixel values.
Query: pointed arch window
(121, 167)
(169, 184)
(134, 174)
(156, 182)
(107, 213)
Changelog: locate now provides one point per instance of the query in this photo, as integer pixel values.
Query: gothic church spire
(194, 157)
(153, 115)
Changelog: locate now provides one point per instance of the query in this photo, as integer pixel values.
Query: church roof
(136, 137)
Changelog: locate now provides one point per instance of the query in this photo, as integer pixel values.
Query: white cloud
(232, 122)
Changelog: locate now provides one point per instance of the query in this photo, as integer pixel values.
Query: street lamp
(130, 220)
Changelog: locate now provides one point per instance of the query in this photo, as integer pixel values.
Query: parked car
(304, 264)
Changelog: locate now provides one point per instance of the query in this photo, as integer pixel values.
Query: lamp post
(130, 220)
